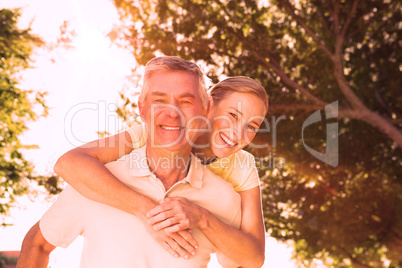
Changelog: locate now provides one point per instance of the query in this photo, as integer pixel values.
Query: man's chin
(172, 144)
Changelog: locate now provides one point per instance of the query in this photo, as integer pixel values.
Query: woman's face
(234, 122)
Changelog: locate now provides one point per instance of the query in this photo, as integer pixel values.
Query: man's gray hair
(172, 63)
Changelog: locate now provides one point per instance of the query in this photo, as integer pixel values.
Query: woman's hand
(175, 214)
(178, 244)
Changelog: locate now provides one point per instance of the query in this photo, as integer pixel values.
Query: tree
(16, 109)
(307, 54)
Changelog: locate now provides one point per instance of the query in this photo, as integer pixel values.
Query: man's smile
(171, 127)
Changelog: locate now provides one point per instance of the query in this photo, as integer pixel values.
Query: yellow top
(238, 169)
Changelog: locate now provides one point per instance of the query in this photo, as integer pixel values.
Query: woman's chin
(223, 152)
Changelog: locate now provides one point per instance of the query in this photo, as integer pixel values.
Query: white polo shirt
(113, 238)
(238, 168)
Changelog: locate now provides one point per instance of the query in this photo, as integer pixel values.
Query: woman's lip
(227, 140)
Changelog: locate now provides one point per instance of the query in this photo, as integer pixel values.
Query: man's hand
(178, 244)
(175, 214)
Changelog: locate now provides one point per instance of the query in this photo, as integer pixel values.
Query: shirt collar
(139, 167)
(138, 163)
(195, 172)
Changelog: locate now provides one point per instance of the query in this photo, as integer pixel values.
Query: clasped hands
(170, 225)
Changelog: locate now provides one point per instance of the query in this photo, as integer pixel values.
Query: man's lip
(165, 127)
(226, 139)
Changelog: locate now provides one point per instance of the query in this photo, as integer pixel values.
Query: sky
(83, 85)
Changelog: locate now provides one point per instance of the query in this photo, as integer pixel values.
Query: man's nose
(172, 110)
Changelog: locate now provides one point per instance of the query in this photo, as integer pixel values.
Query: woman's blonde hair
(241, 84)
(172, 63)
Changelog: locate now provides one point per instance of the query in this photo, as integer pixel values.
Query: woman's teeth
(228, 141)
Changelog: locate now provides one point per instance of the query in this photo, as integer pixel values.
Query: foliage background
(17, 108)
(306, 54)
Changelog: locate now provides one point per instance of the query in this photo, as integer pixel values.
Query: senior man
(172, 107)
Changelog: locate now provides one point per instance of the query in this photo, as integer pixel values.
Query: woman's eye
(252, 128)
(233, 115)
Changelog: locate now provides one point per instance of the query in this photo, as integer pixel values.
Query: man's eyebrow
(163, 94)
(187, 95)
(158, 93)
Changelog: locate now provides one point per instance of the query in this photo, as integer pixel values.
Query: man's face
(171, 109)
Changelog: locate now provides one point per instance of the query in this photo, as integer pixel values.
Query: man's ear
(140, 108)
(210, 103)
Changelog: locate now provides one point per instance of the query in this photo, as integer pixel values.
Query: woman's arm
(246, 246)
(83, 168)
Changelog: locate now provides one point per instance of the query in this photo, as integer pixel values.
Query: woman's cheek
(249, 137)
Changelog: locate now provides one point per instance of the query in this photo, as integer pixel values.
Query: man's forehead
(173, 72)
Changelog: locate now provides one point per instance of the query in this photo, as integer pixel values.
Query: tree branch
(338, 61)
(335, 16)
(363, 27)
(328, 189)
(286, 79)
(272, 64)
(291, 11)
(349, 19)
(359, 109)
(289, 107)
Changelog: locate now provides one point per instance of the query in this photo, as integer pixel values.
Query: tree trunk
(384, 125)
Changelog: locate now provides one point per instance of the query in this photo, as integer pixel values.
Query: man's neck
(167, 165)
(202, 149)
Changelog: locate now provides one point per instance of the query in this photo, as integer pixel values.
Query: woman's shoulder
(239, 160)
(138, 135)
(239, 169)
(242, 154)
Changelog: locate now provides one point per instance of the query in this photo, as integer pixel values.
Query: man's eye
(233, 115)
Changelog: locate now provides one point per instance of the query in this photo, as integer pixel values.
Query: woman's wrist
(140, 205)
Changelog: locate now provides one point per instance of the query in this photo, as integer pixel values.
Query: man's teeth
(171, 128)
(227, 140)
